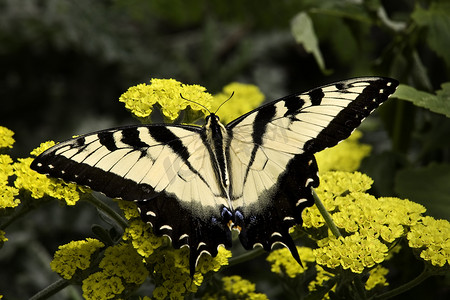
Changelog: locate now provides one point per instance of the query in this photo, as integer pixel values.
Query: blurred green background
(64, 64)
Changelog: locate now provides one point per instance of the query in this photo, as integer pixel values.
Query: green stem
(245, 256)
(359, 287)
(107, 210)
(52, 289)
(323, 211)
(407, 286)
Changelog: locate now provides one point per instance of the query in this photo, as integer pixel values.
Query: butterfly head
(212, 120)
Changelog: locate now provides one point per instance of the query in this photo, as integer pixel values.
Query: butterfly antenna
(195, 103)
(224, 102)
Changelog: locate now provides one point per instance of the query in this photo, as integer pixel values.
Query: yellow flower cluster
(7, 192)
(168, 94)
(377, 278)
(141, 237)
(321, 278)
(129, 208)
(246, 97)
(3, 238)
(346, 156)
(171, 266)
(42, 147)
(432, 238)
(235, 287)
(100, 286)
(354, 252)
(74, 256)
(121, 266)
(372, 223)
(6, 137)
(208, 263)
(172, 269)
(283, 263)
(332, 186)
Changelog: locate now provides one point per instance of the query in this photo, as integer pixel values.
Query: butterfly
(196, 184)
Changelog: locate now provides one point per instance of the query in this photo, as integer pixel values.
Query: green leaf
(439, 103)
(437, 22)
(382, 168)
(428, 186)
(303, 32)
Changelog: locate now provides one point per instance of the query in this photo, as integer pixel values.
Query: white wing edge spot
(150, 213)
(275, 234)
(165, 227)
(183, 236)
(288, 218)
(300, 201)
(257, 244)
(278, 242)
(308, 181)
(201, 244)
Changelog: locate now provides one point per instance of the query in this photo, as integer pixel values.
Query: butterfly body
(195, 184)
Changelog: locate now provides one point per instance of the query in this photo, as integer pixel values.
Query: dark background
(64, 64)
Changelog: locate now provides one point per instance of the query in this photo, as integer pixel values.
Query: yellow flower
(120, 267)
(141, 237)
(235, 287)
(246, 97)
(283, 262)
(171, 268)
(159, 293)
(346, 156)
(42, 147)
(208, 263)
(100, 286)
(321, 277)
(123, 261)
(333, 185)
(168, 94)
(377, 278)
(73, 256)
(7, 193)
(6, 137)
(432, 237)
(129, 208)
(3, 238)
(354, 252)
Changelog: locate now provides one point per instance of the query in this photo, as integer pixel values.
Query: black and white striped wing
(271, 154)
(165, 169)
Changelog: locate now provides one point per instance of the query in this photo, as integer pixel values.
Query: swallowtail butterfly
(195, 184)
